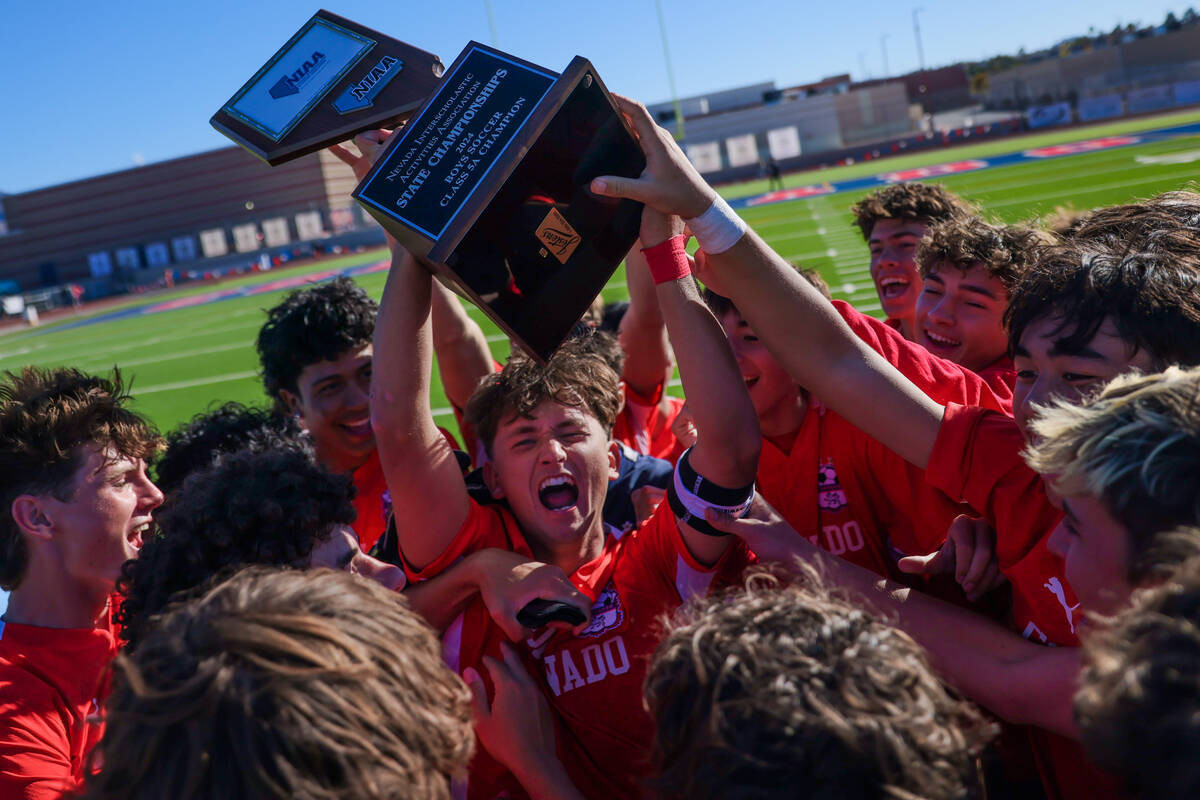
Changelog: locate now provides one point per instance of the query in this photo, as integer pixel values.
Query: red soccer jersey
(594, 681)
(977, 457)
(645, 426)
(372, 500)
(851, 495)
(52, 684)
(1000, 371)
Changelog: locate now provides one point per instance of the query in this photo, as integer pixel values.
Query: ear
(292, 401)
(614, 460)
(491, 480)
(620, 397)
(32, 517)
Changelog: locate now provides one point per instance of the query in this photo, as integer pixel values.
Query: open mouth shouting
(558, 493)
(136, 535)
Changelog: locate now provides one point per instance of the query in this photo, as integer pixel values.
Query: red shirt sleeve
(977, 460)
(35, 744)
(944, 381)
(485, 526)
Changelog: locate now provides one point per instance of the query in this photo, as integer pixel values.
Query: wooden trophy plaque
(332, 80)
(489, 180)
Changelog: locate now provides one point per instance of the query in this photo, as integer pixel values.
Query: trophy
(369, 80)
(488, 180)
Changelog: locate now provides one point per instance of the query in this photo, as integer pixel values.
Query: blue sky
(88, 88)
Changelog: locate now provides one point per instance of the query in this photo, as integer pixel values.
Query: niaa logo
(291, 84)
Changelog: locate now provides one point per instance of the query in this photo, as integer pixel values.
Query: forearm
(439, 600)
(643, 334)
(463, 355)
(1020, 681)
(548, 781)
(727, 452)
(808, 337)
(403, 354)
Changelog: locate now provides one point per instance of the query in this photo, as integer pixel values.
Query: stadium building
(171, 220)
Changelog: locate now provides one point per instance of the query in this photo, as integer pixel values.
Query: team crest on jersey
(607, 612)
(387, 505)
(830, 496)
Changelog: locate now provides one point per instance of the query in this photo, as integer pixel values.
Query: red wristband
(668, 261)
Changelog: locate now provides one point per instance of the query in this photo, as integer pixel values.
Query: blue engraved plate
(298, 77)
(444, 154)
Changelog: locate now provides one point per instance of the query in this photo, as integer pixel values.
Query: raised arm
(801, 328)
(423, 475)
(643, 334)
(463, 356)
(727, 452)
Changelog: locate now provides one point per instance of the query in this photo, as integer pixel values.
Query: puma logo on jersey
(1054, 585)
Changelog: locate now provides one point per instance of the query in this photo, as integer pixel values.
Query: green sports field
(183, 361)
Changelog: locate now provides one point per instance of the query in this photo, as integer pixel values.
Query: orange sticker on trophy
(558, 236)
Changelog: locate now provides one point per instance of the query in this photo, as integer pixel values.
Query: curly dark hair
(47, 419)
(1152, 298)
(227, 429)
(1168, 223)
(276, 684)
(770, 688)
(928, 202)
(576, 375)
(268, 508)
(1138, 706)
(319, 323)
(1005, 251)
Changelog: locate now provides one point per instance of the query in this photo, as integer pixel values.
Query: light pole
(862, 64)
(662, 27)
(883, 46)
(492, 23)
(917, 33)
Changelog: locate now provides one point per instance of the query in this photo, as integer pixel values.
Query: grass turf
(185, 361)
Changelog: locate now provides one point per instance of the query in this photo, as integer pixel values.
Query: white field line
(1078, 191)
(228, 377)
(175, 356)
(105, 351)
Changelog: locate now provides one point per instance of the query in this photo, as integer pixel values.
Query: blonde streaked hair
(1135, 447)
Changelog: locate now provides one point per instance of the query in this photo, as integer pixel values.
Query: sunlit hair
(790, 691)
(574, 376)
(1152, 299)
(1004, 251)
(272, 684)
(1135, 447)
(926, 202)
(49, 420)
(1138, 705)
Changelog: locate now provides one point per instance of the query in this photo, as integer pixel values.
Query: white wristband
(717, 229)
